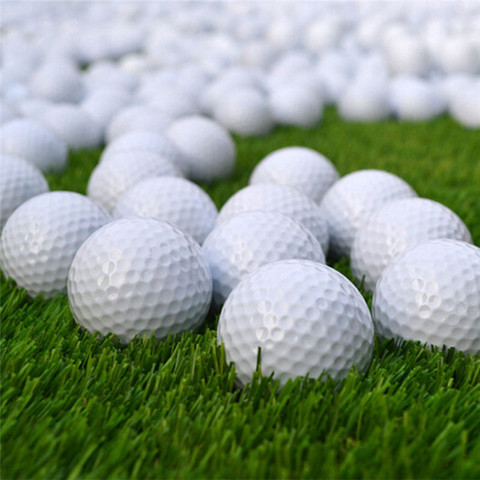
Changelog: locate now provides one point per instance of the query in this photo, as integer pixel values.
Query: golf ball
(431, 294)
(278, 198)
(351, 201)
(172, 199)
(304, 316)
(137, 277)
(19, 181)
(120, 171)
(41, 237)
(249, 240)
(397, 226)
(302, 168)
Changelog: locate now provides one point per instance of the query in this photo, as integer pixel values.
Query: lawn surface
(74, 407)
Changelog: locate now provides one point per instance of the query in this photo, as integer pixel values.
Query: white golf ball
(302, 168)
(57, 81)
(207, 146)
(293, 104)
(74, 126)
(137, 118)
(431, 294)
(351, 201)
(245, 111)
(278, 198)
(304, 316)
(171, 199)
(120, 171)
(139, 276)
(150, 141)
(249, 240)
(397, 226)
(19, 181)
(41, 237)
(34, 142)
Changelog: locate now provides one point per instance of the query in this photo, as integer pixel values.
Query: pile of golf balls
(166, 88)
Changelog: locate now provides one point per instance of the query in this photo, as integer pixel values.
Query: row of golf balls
(248, 68)
(263, 256)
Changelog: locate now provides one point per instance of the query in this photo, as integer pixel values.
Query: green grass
(74, 407)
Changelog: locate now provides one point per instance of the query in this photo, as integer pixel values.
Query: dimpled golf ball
(34, 142)
(120, 171)
(278, 198)
(302, 168)
(207, 147)
(431, 294)
(397, 226)
(41, 237)
(304, 316)
(172, 199)
(139, 276)
(19, 181)
(351, 201)
(249, 240)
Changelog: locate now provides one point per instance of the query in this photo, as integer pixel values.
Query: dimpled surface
(351, 201)
(174, 200)
(120, 171)
(137, 276)
(74, 126)
(249, 240)
(431, 293)
(305, 317)
(207, 146)
(42, 236)
(19, 181)
(149, 141)
(279, 198)
(34, 142)
(397, 226)
(302, 168)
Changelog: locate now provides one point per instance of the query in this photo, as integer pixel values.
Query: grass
(74, 407)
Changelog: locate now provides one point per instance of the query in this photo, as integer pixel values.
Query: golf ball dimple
(397, 226)
(304, 316)
(249, 240)
(41, 237)
(137, 277)
(431, 294)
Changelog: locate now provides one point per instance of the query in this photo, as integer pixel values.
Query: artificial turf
(75, 407)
